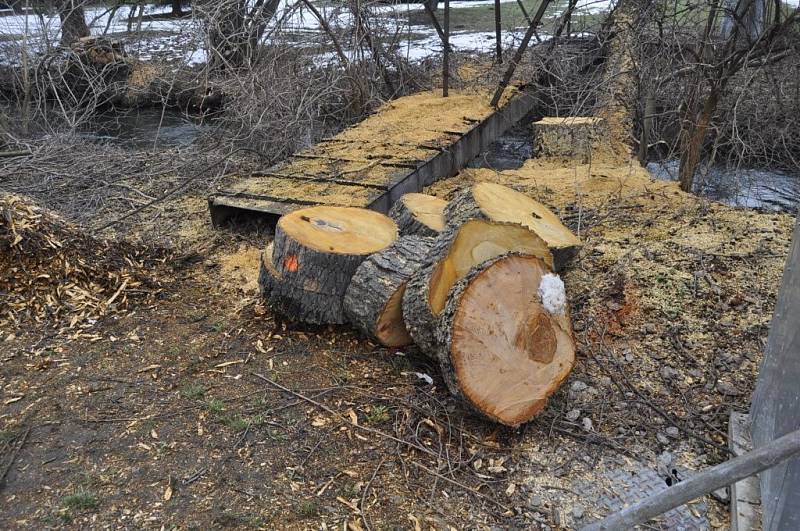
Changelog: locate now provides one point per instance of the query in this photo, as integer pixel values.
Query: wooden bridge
(408, 144)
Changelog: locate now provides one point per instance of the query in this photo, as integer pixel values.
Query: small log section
(456, 251)
(501, 349)
(495, 202)
(419, 214)
(316, 251)
(572, 138)
(287, 300)
(373, 302)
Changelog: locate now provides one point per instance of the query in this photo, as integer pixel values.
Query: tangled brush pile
(54, 275)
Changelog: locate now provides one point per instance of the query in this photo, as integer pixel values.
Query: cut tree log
(457, 250)
(289, 300)
(505, 338)
(316, 251)
(496, 202)
(373, 302)
(419, 214)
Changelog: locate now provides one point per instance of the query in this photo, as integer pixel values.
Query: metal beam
(512, 66)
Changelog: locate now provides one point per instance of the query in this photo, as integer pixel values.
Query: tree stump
(419, 214)
(505, 338)
(373, 302)
(456, 251)
(496, 202)
(316, 251)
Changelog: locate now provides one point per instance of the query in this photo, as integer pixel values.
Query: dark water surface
(746, 188)
(146, 128)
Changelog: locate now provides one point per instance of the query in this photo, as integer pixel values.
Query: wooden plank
(745, 494)
(776, 401)
(373, 167)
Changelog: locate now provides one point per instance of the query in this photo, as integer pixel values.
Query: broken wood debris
(52, 270)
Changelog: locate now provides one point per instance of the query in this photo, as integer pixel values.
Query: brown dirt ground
(159, 420)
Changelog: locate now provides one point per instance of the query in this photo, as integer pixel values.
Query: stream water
(741, 187)
(146, 128)
(746, 188)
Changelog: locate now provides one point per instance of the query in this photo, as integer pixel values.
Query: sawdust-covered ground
(192, 407)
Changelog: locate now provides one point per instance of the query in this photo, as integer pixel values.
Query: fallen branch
(345, 419)
(18, 447)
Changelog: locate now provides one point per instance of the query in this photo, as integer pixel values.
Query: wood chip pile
(471, 282)
(52, 273)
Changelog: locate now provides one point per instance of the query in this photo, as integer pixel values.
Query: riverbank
(160, 414)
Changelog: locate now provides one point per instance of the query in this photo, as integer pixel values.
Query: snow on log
(419, 214)
(457, 250)
(373, 302)
(505, 338)
(496, 202)
(315, 253)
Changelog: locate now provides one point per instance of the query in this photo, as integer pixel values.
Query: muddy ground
(193, 407)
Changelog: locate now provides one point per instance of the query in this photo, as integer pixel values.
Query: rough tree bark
(288, 299)
(373, 301)
(317, 250)
(73, 21)
(177, 8)
(693, 137)
(419, 214)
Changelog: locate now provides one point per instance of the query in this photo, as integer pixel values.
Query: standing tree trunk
(73, 21)
(693, 136)
(177, 10)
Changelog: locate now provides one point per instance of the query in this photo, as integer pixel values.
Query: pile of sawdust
(671, 299)
(240, 268)
(423, 118)
(286, 189)
(53, 274)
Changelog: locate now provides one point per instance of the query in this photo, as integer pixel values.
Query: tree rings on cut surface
(316, 251)
(499, 348)
(456, 251)
(496, 202)
(419, 214)
(373, 302)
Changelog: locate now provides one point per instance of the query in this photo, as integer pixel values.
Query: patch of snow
(553, 294)
(425, 377)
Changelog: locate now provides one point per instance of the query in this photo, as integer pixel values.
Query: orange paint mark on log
(291, 264)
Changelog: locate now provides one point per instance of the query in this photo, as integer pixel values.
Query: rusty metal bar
(512, 66)
(497, 32)
(446, 58)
